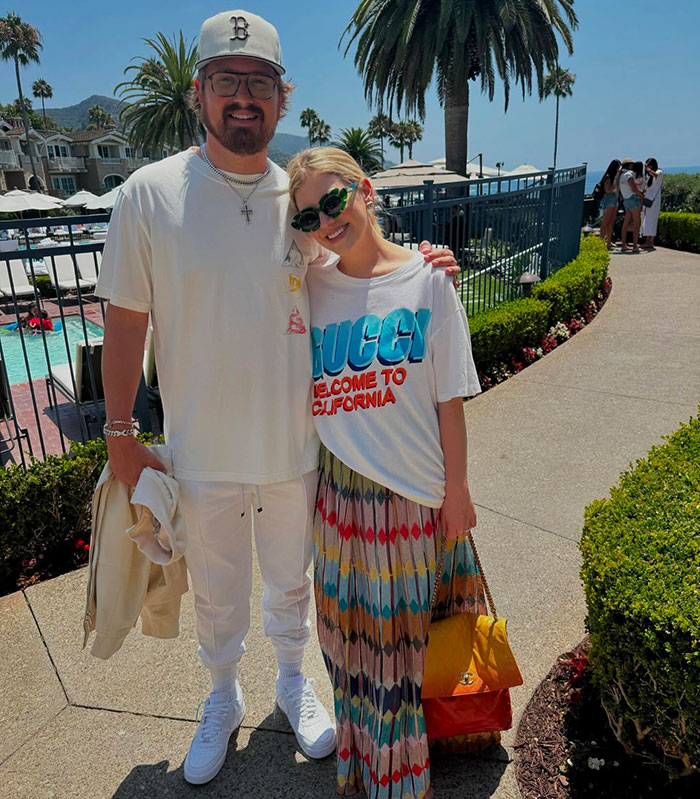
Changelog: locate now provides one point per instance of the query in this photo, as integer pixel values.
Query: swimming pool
(36, 354)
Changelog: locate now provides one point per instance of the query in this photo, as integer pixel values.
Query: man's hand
(128, 458)
(440, 257)
(458, 511)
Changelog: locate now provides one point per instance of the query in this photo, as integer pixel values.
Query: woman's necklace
(231, 180)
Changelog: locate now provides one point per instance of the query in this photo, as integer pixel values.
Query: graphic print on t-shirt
(296, 323)
(294, 257)
(373, 347)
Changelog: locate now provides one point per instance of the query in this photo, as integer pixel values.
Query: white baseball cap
(233, 33)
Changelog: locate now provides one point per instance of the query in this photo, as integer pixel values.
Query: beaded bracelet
(129, 431)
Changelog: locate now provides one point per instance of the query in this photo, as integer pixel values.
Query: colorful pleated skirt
(375, 558)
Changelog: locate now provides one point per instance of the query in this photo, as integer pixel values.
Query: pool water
(36, 353)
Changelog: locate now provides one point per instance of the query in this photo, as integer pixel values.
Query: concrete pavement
(541, 447)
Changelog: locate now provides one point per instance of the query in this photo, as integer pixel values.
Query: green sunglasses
(331, 204)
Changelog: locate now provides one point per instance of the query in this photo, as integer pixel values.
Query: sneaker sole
(314, 755)
(203, 776)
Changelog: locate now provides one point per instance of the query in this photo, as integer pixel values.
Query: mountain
(76, 116)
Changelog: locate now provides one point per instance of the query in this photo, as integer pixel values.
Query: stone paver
(30, 690)
(541, 447)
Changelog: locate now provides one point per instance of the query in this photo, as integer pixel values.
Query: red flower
(79, 544)
(86, 548)
(548, 343)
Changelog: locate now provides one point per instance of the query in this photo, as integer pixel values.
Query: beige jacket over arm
(136, 566)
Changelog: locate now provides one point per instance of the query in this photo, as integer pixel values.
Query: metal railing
(498, 227)
(50, 380)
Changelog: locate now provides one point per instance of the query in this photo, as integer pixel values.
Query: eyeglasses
(226, 84)
(331, 204)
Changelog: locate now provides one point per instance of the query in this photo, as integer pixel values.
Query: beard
(241, 141)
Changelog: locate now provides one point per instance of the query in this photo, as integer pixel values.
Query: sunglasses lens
(308, 220)
(261, 87)
(333, 204)
(224, 84)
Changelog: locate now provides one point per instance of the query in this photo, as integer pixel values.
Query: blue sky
(635, 60)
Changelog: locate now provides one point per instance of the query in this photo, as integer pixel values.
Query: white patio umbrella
(16, 201)
(104, 200)
(81, 198)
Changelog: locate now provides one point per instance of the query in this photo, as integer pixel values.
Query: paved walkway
(542, 446)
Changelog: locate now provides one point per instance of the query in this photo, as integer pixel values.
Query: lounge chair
(20, 284)
(64, 279)
(88, 402)
(87, 266)
(10, 431)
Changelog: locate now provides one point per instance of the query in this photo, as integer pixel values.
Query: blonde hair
(327, 161)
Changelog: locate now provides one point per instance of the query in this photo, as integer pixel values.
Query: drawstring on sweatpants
(257, 494)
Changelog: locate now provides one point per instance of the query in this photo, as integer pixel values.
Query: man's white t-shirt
(385, 351)
(230, 316)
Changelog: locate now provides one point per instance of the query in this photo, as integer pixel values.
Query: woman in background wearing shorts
(609, 203)
(632, 196)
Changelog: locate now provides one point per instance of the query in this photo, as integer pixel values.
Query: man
(202, 242)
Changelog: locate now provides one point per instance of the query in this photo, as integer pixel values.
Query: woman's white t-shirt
(625, 189)
(385, 351)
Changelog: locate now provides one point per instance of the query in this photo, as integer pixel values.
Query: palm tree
(99, 117)
(20, 42)
(320, 132)
(560, 83)
(379, 128)
(402, 43)
(399, 135)
(40, 88)
(414, 133)
(362, 147)
(308, 118)
(158, 112)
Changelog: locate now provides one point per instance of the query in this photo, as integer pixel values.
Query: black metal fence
(498, 227)
(50, 380)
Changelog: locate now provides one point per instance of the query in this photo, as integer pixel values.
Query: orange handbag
(469, 670)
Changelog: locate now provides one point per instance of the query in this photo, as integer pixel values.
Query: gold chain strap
(438, 574)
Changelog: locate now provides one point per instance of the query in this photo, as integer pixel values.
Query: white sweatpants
(220, 561)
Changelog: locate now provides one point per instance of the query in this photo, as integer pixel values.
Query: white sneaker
(220, 719)
(309, 719)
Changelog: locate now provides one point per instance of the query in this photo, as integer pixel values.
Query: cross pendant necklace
(248, 212)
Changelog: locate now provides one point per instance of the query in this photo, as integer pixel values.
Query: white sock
(289, 669)
(223, 679)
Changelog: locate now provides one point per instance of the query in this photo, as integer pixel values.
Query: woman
(609, 203)
(391, 362)
(650, 218)
(631, 181)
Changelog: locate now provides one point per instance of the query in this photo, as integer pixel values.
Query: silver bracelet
(108, 430)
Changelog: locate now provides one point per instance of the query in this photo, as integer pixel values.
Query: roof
(91, 135)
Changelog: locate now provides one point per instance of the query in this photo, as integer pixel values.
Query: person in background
(391, 359)
(32, 313)
(39, 321)
(609, 203)
(650, 216)
(631, 181)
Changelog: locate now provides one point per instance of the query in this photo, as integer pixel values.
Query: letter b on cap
(240, 28)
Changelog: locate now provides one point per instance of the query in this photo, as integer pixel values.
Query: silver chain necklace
(230, 181)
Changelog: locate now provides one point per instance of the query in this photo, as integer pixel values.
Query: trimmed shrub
(680, 231)
(641, 572)
(681, 193)
(500, 332)
(44, 510)
(575, 284)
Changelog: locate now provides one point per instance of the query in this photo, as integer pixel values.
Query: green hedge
(499, 332)
(44, 510)
(681, 193)
(641, 572)
(680, 231)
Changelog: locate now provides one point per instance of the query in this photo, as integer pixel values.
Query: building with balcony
(96, 160)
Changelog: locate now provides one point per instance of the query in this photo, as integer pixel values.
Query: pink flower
(548, 343)
(528, 354)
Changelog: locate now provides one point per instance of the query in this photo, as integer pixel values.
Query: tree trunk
(381, 142)
(43, 110)
(410, 150)
(402, 146)
(456, 125)
(25, 120)
(556, 134)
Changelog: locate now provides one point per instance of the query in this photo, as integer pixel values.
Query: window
(112, 181)
(129, 152)
(146, 153)
(57, 151)
(163, 153)
(5, 144)
(106, 152)
(62, 183)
